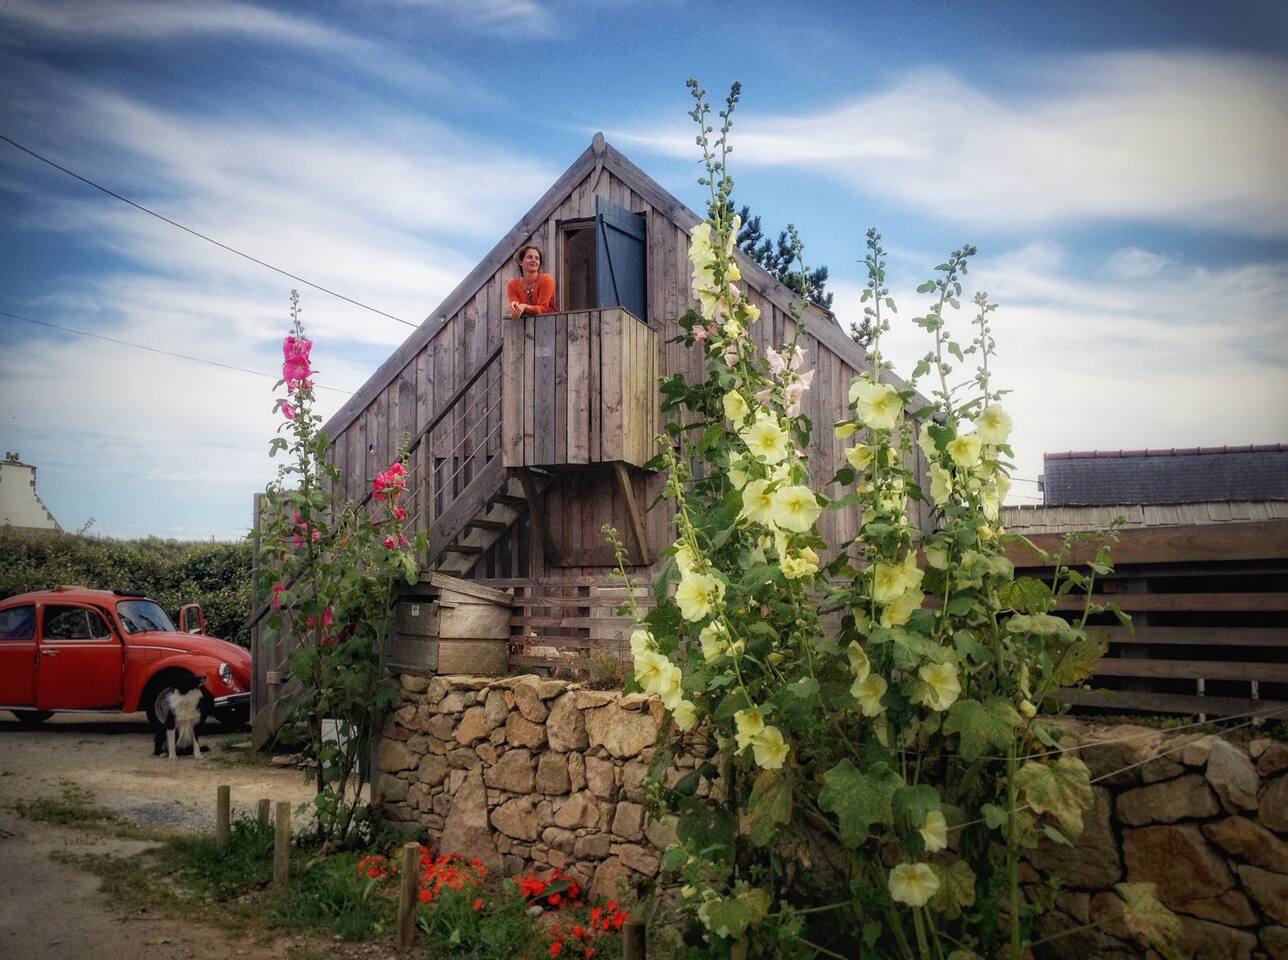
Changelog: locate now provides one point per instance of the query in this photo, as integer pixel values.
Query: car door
(18, 656)
(80, 662)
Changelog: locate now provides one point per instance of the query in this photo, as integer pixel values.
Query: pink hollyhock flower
(776, 362)
(731, 357)
(327, 641)
(400, 513)
(278, 590)
(390, 542)
(328, 617)
(309, 621)
(297, 540)
(288, 411)
(700, 334)
(298, 519)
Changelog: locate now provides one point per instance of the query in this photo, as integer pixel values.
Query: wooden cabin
(529, 436)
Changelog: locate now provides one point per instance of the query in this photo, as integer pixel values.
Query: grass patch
(73, 808)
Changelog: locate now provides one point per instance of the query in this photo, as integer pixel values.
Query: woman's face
(531, 260)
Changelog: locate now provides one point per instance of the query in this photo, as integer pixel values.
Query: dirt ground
(53, 910)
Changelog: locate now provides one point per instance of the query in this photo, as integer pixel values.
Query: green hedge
(171, 572)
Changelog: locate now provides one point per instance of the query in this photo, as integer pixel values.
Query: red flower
(478, 904)
(400, 513)
(555, 899)
(574, 890)
(556, 948)
(424, 896)
(278, 590)
(328, 617)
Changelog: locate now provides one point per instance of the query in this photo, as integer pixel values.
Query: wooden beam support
(537, 511)
(633, 513)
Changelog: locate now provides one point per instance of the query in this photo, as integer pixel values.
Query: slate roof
(1172, 476)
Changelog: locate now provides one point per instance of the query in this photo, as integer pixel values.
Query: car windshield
(141, 616)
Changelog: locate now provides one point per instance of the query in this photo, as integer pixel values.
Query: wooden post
(261, 812)
(633, 940)
(223, 824)
(282, 844)
(407, 895)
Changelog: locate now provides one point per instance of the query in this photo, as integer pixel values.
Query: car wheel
(154, 696)
(32, 718)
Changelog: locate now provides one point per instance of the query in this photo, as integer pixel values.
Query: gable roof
(599, 155)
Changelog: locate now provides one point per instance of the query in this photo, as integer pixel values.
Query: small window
(18, 623)
(74, 623)
(605, 261)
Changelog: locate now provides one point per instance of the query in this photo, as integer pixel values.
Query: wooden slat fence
(1209, 605)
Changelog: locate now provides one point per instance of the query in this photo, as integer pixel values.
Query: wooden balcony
(579, 388)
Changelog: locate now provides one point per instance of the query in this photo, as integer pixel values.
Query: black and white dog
(183, 709)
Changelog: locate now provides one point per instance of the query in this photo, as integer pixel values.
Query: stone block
(632, 781)
(637, 858)
(593, 846)
(1233, 777)
(1273, 809)
(442, 726)
(432, 770)
(592, 699)
(552, 774)
(623, 733)
(557, 838)
(454, 701)
(463, 759)
(495, 706)
(393, 756)
(392, 789)
(524, 733)
(465, 831)
(1131, 745)
(601, 777)
(513, 772)
(1249, 841)
(1093, 862)
(566, 725)
(488, 752)
(660, 833)
(1184, 798)
(1274, 941)
(413, 683)
(437, 689)
(628, 821)
(1273, 759)
(579, 810)
(576, 771)
(514, 818)
(1196, 752)
(612, 881)
(1190, 875)
(1269, 891)
(474, 725)
(529, 703)
(1202, 940)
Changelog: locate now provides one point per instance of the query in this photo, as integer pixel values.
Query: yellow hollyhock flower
(804, 564)
(965, 450)
(795, 508)
(715, 641)
(941, 484)
(860, 456)
(845, 429)
(669, 689)
(698, 595)
(991, 503)
(650, 667)
(749, 723)
(913, 884)
(877, 404)
(942, 686)
(737, 472)
(993, 425)
(770, 749)
(641, 642)
(735, 406)
(685, 715)
(685, 558)
(934, 831)
(903, 607)
(927, 442)
(758, 505)
(766, 439)
(860, 665)
(1028, 709)
(892, 580)
(869, 692)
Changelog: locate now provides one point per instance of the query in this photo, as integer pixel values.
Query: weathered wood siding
(577, 508)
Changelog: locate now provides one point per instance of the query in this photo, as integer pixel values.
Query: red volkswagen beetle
(72, 648)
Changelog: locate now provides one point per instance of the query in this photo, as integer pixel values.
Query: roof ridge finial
(597, 144)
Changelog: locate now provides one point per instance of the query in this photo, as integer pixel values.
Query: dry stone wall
(527, 773)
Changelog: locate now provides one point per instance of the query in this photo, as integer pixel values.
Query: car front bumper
(233, 702)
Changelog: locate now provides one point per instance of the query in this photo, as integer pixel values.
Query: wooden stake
(223, 823)
(407, 895)
(282, 844)
(262, 811)
(633, 940)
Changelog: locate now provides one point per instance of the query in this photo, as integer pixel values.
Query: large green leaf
(726, 918)
(1042, 624)
(982, 725)
(1148, 919)
(1025, 595)
(956, 889)
(1078, 660)
(859, 799)
(769, 806)
(1061, 790)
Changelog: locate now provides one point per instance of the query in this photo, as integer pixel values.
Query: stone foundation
(528, 773)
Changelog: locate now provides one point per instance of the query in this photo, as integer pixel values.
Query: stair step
(487, 524)
(508, 500)
(462, 548)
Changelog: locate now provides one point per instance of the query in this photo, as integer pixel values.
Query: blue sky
(1119, 165)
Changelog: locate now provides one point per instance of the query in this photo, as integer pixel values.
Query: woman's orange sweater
(543, 299)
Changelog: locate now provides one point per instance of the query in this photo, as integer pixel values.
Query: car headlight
(226, 674)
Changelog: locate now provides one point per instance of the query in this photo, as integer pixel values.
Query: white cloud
(505, 17)
(1187, 137)
(1194, 357)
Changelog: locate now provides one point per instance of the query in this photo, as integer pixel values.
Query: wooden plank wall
(433, 375)
(1209, 605)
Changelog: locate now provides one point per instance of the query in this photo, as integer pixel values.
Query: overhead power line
(199, 234)
(166, 353)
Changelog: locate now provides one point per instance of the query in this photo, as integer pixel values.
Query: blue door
(620, 258)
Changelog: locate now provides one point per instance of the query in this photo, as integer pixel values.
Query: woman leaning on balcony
(532, 291)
